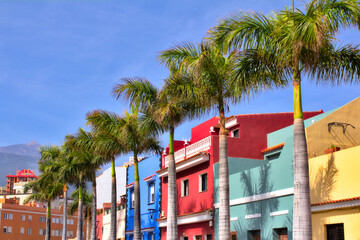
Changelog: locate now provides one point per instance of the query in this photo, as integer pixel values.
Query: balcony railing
(191, 150)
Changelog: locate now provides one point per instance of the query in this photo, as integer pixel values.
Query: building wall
(320, 138)
(103, 185)
(336, 177)
(120, 224)
(147, 168)
(34, 224)
(349, 216)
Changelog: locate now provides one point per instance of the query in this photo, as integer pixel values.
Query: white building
(103, 185)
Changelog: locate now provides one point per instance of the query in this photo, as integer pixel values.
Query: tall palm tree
(162, 111)
(46, 188)
(138, 139)
(85, 142)
(109, 145)
(295, 43)
(87, 204)
(55, 159)
(217, 86)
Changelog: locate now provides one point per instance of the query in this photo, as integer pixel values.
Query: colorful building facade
(29, 222)
(195, 172)
(15, 183)
(150, 195)
(334, 175)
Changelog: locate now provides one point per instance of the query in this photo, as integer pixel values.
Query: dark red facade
(197, 157)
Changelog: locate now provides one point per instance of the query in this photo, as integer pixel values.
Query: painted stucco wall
(335, 176)
(120, 224)
(147, 167)
(103, 185)
(320, 138)
(349, 216)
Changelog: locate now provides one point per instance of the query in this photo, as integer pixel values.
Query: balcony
(190, 151)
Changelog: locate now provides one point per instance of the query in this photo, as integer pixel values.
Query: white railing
(191, 150)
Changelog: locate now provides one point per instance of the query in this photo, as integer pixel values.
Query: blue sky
(60, 59)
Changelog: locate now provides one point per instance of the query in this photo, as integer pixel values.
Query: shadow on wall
(251, 188)
(323, 181)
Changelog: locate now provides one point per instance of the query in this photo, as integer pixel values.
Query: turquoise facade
(261, 191)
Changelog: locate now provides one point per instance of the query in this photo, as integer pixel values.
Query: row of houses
(260, 153)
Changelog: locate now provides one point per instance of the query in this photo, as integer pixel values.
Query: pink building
(194, 167)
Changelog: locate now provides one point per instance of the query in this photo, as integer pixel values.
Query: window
(61, 220)
(151, 193)
(203, 182)
(29, 231)
(235, 133)
(198, 237)
(57, 220)
(132, 198)
(233, 236)
(9, 229)
(30, 218)
(150, 236)
(53, 220)
(335, 231)
(4, 229)
(23, 217)
(281, 234)
(185, 188)
(254, 235)
(22, 230)
(8, 216)
(208, 237)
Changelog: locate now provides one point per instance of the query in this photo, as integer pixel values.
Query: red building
(194, 167)
(19, 179)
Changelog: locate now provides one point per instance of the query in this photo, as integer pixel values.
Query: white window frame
(200, 182)
(22, 230)
(23, 218)
(30, 218)
(29, 231)
(151, 192)
(183, 192)
(9, 229)
(232, 132)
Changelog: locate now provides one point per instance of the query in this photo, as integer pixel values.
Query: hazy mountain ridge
(18, 157)
(28, 149)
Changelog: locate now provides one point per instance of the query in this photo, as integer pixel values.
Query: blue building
(150, 195)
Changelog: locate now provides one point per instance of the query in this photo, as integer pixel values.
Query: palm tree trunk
(137, 221)
(224, 207)
(88, 228)
(172, 229)
(48, 221)
(302, 228)
(113, 201)
(64, 236)
(93, 208)
(79, 235)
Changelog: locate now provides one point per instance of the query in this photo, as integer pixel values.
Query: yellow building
(335, 177)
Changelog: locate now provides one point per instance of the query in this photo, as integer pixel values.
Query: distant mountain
(28, 149)
(18, 157)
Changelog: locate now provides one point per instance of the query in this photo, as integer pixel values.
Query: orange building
(19, 222)
(19, 179)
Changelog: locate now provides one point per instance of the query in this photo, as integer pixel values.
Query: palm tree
(293, 44)
(138, 139)
(109, 145)
(55, 159)
(162, 111)
(85, 142)
(47, 187)
(87, 204)
(217, 86)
